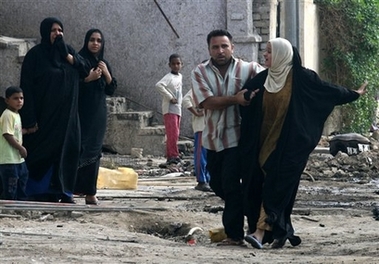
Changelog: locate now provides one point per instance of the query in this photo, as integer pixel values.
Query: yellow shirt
(10, 123)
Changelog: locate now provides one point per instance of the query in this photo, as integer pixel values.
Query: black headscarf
(86, 53)
(45, 30)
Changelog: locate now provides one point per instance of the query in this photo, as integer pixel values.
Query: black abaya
(93, 118)
(311, 102)
(50, 84)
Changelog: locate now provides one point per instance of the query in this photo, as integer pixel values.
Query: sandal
(253, 241)
(91, 200)
(231, 242)
(95, 202)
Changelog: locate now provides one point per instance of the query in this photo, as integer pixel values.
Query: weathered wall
(138, 38)
(12, 52)
(269, 25)
(262, 22)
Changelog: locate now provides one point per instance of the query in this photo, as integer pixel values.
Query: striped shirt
(222, 127)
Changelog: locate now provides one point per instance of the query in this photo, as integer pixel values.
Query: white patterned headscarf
(281, 64)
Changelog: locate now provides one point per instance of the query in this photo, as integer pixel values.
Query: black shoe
(294, 240)
(267, 238)
(203, 186)
(173, 161)
(67, 199)
(163, 165)
(279, 243)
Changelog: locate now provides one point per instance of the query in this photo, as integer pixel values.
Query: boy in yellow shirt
(13, 170)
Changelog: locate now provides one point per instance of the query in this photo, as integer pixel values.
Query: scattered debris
(350, 143)
(309, 219)
(190, 237)
(375, 211)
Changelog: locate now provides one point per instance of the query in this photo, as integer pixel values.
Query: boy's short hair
(219, 33)
(174, 56)
(12, 90)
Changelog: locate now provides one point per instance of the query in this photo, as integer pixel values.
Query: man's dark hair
(219, 33)
(174, 56)
(12, 90)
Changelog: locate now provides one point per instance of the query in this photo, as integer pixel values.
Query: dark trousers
(226, 183)
(13, 179)
(86, 180)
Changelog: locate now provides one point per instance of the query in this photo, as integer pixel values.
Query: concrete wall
(269, 25)
(138, 39)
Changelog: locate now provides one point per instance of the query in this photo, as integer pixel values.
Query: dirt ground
(333, 216)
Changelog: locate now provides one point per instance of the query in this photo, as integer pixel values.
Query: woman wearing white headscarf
(279, 129)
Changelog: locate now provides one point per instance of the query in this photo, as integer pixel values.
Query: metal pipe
(291, 28)
(168, 21)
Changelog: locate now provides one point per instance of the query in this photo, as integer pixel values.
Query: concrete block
(131, 130)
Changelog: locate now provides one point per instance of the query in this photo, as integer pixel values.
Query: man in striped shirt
(216, 86)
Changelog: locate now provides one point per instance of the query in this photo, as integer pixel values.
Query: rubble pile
(362, 167)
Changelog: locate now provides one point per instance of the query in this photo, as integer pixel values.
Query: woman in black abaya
(279, 129)
(93, 112)
(50, 81)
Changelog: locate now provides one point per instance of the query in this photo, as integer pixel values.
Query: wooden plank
(163, 178)
(93, 208)
(166, 183)
(158, 197)
(10, 216)
(45, 206)
(16, 202)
